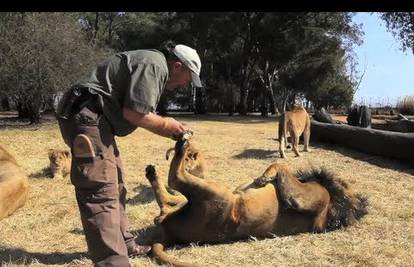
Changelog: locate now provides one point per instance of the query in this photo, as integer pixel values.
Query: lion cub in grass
(59, 162)
(295, 123)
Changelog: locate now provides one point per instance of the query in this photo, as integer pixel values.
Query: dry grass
(47, 230)
(406, 105)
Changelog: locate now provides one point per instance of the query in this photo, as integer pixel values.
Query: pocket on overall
(87, 116)
(94, 172)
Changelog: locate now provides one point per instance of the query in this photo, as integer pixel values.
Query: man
(119, 95)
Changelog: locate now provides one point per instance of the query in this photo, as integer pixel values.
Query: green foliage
(265, 59)
(308, 54)
(41, 54)
(401, 26)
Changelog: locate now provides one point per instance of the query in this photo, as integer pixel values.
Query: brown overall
(99, 182)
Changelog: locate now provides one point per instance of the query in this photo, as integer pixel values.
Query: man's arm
(167, 127)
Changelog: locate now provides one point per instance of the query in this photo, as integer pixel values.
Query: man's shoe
(139, 250)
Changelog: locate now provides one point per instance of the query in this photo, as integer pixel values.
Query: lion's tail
(346, 207)
(159, 253)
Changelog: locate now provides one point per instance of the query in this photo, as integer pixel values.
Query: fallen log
(377, 142)
(404, 126)
(323, 116)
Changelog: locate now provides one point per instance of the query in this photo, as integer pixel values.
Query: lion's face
(58, 157)
(194, 161)
(59, 162)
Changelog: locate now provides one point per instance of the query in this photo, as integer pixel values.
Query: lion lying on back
(13, 184)
(196, 209)
(59, 162)
(294, 123)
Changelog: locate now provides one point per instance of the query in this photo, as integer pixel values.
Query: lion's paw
(262, 181)
(150, 172)
(159, 219)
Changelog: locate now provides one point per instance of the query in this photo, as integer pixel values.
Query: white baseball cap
(190, 58)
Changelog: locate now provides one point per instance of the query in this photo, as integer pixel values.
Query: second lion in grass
(294, 123)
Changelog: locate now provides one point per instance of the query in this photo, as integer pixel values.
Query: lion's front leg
(170, 201)
(282, 143)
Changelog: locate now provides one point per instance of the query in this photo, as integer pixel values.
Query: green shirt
(131, 79)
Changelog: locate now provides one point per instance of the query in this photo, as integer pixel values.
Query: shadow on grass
(153, 233)
(148, 235)
(11, 120)
(257, 154)
(14, 122)
(144, 195)
(77, 231)
(21, 256)
(379, 161)
(44, 173)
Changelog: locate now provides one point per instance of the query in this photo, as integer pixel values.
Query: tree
(292, 54)
(41, 54)
(311, 55)
(401, 26)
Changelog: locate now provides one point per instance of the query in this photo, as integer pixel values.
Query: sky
(389, 74)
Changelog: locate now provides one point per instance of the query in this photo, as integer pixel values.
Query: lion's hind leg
(309, 197)
(169, 200)
(306, 136)
(295, 144)
(319, 223)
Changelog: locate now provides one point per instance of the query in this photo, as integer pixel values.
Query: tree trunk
(284, 104)
(199, 102)
(34, 117)
(230, 105)
(273, 108)
(243, 101)
(5, 104)
(376, 142)
(323, 116)
(22, 110)
(110, 23)
(263, 107)
(96, 26)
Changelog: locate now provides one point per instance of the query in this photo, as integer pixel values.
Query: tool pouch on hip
(73, 101)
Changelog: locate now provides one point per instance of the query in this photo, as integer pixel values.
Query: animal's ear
(67, 153)
(195, 155)
(167, 154)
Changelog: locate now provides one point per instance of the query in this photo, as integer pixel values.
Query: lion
(309, 196)
(14, 185)
(59, 162)
(203, 210)
(295, 123)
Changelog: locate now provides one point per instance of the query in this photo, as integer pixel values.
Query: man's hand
(167, 127)
(173, 127)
